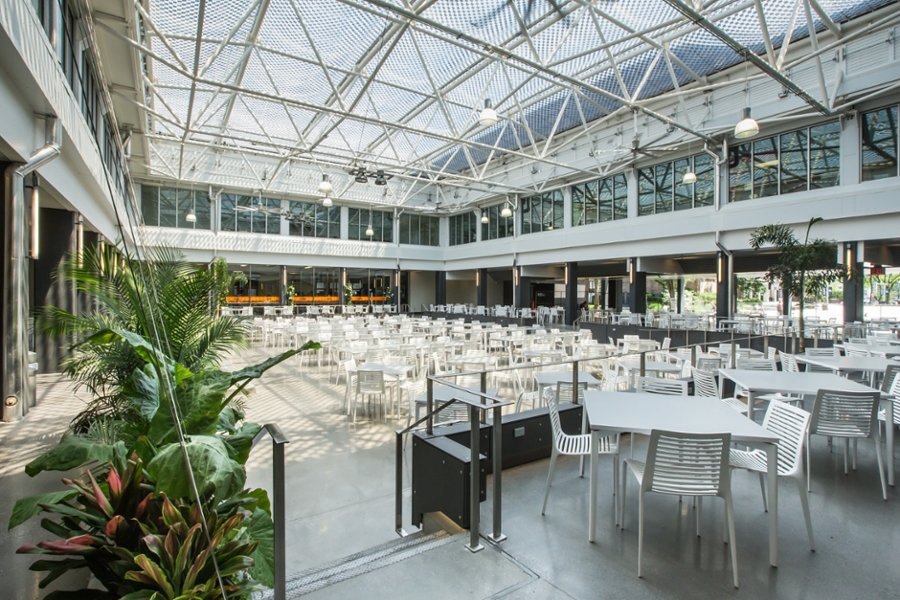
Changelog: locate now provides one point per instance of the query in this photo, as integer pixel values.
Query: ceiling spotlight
(360, 176)
(326, 202)
(325, 186)
(506, 212)
(379, 178)
(746, 127)
(191, 217)
(488, 114)
(484, 218)
(689, 177)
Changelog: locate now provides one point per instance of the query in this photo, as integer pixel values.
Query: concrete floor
(340, 501)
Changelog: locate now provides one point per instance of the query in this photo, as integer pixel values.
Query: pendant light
(747, 127)
(325, 186)
(326, 202)
(484, 217)
(689, 177)
(488, 115)
(191, 217)
(370, 232)
(506, 212)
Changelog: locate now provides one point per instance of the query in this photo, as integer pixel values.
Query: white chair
(705, 386)
(891, 385)
(370, 384)
(668, 387)
(684, 464)
(575, 445)
(847, 415)
(790, 424)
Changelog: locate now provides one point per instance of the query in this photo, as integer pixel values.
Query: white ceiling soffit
(263, 89)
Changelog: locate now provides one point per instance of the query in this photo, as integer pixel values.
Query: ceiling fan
(360, 175)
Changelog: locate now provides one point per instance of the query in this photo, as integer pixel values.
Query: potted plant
(289, 293)
(348, 294)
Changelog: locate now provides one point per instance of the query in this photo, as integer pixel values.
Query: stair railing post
(474, 480)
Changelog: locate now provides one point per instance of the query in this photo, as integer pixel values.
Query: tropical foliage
(154, 527)
(802, 268)
(120, 290)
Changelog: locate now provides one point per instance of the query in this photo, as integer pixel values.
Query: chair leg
(621, 498)
(729, 513)
(855, 440)
(881, 468)
(762, 487)
(553, 456)
(807, 464)
(804, 503)
(846, 455)
(699, 513)
(640, 531)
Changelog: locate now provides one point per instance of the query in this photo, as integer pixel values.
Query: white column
(345, 223)
(567, 206)
(850, 145)
(631, 176)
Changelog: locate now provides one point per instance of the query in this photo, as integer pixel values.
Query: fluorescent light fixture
(325, 186)
(488, 115)
(747, 127)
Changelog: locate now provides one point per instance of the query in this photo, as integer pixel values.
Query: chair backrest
(845, 414)
(789, 423)
(890, 375)
(709, 364)
(374, 355)
(823, 351)
(668, 387)
(770, 353)
(705, 385)
(789, 363)
(756, 364)
(855, 352)
(666, 343)
(564, 391)
(370, 381)
(687, 464)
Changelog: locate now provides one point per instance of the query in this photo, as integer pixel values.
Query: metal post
(429, 404)
(733, 349)
(497, 458)
(693, 356)
(278, 514)
(816, 337)
(643, 362)
(483, 415)
(398, 485)
(766, 345)
(794, 342)
(575, 382)
(474, 480)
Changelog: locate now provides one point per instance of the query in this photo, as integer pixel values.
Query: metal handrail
(475, 407)
(278, 519)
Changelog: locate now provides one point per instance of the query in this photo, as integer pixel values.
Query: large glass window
(419, 229)
(543, 212)
(661, 188)
(497, 226)
(796, 161)
(463, 228)
(382, 223)
(314, 220)
(879, 144)
(250, 214)
(600, 201)
(169, 207)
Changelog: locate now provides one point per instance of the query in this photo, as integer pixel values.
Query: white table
(848, 364)
(551, 378)
(809, 384)
(886, 349)
(651, 366)
(624, 412)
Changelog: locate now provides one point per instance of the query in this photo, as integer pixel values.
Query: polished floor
(340, 482)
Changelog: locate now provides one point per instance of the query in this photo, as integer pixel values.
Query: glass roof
(399, 85)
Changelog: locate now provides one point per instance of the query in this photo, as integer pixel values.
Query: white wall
(494, 291)
(461, 291)
(421, 289)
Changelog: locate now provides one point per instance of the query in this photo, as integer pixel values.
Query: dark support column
(482, 297)
(282, 297)
(523, 293)
(853, 290)
(572, 300)
(638, 296)
(57, 243)
(440, 287)
(680, 306)
(601, 293)
(724, 279)
(614, 295)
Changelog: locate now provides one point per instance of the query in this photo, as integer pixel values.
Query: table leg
(772, 463)
(751, 400)
(595, 463)
(889, 438)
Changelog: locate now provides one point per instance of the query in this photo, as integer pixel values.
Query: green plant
(164, 293)
(389, 295)
(348, 294)
(289, 293)
(802, 269)
(188, 430)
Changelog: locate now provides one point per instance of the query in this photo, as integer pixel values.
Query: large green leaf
(228, 418)
(72, 451)
(210, 463)
(26, 508)
(262, 531)
(242, 441)
(147, 351)
(143, 389)
(256, 371)
(200, 400)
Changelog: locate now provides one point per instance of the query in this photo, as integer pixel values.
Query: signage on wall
(876, 270)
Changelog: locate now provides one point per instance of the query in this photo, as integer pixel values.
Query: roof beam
(689, 12)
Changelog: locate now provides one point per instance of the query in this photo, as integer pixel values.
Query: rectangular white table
(551, 378)
(886, 349)
(848, 364)
(809, 384)
(625, 412)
